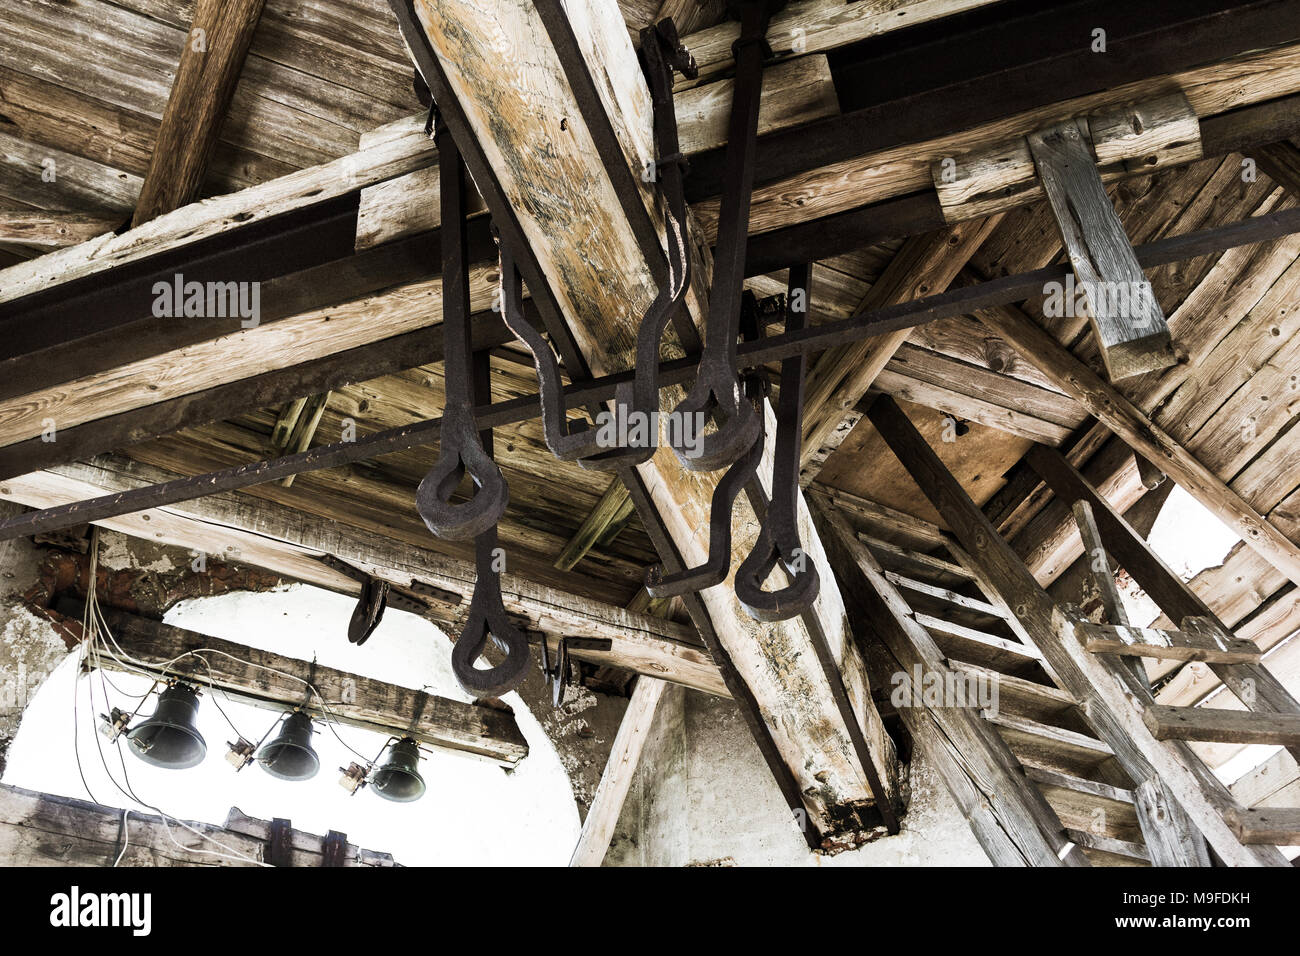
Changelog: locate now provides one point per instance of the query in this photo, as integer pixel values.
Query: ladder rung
(943, 594)
(1016, 695)
(1268, 826)
(1104, 844)
(904, 555)
(1066, 781)
(1222, 726)
(976, 637)
(1128, 641)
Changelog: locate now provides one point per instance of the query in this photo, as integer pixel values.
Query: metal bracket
(560, 674)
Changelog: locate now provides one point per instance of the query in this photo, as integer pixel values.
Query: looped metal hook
(460, 449)
(717, 390)
(571, 441)
(779, 538)
(714, 570)
(488, 620)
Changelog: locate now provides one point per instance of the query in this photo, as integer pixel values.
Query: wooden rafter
(211, 61)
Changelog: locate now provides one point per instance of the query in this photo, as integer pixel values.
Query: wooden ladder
(1190, 813)
(966, 639)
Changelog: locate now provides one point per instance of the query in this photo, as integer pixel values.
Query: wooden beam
(275, 682)
(1110, 695)
(1126, 420)
(41, 829)
(1126, 319)
(51, 230)
(211, 61)
(840, 377)
(815, 25)
(1226, 726)
(291, 543)
(588, 247)
(609, 513)
(1271, 826)
(620, 770)
(1127, 641)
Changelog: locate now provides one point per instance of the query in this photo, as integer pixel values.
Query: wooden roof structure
(290, 151)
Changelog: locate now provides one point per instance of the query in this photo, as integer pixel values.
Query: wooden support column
(598, 828)
(1111, 697)
(277, 684)
(1126, 420)
(211, 61)
(1130, 328)
(557, 151)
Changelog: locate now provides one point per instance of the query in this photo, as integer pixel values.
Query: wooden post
(211, 61)
(602, 817)
(1130, 328)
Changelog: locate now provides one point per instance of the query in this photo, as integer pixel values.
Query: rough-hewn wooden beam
(40, 829)
(1227, 726)
(587, 244)
(1126, 319)
(602, 818)
(840, 377)
(211, 61)
(1126, 420)
(606, 516)
(290, 542)
(275, 682)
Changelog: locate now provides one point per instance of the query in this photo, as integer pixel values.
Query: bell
(289, 756)
(397, 779)
(169, 738)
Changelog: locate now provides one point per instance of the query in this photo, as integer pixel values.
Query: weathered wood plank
(1126, 318)
(1125, 419)
(211, 61)
(1129, 641)
(1272, 826)
(52, 230)
(40, 829)
(1226, 726)
(620, 769)
(613, 508)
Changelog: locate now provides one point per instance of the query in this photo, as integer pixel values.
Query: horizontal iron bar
(805, 341)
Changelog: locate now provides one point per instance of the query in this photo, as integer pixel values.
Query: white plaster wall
(703, 794)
